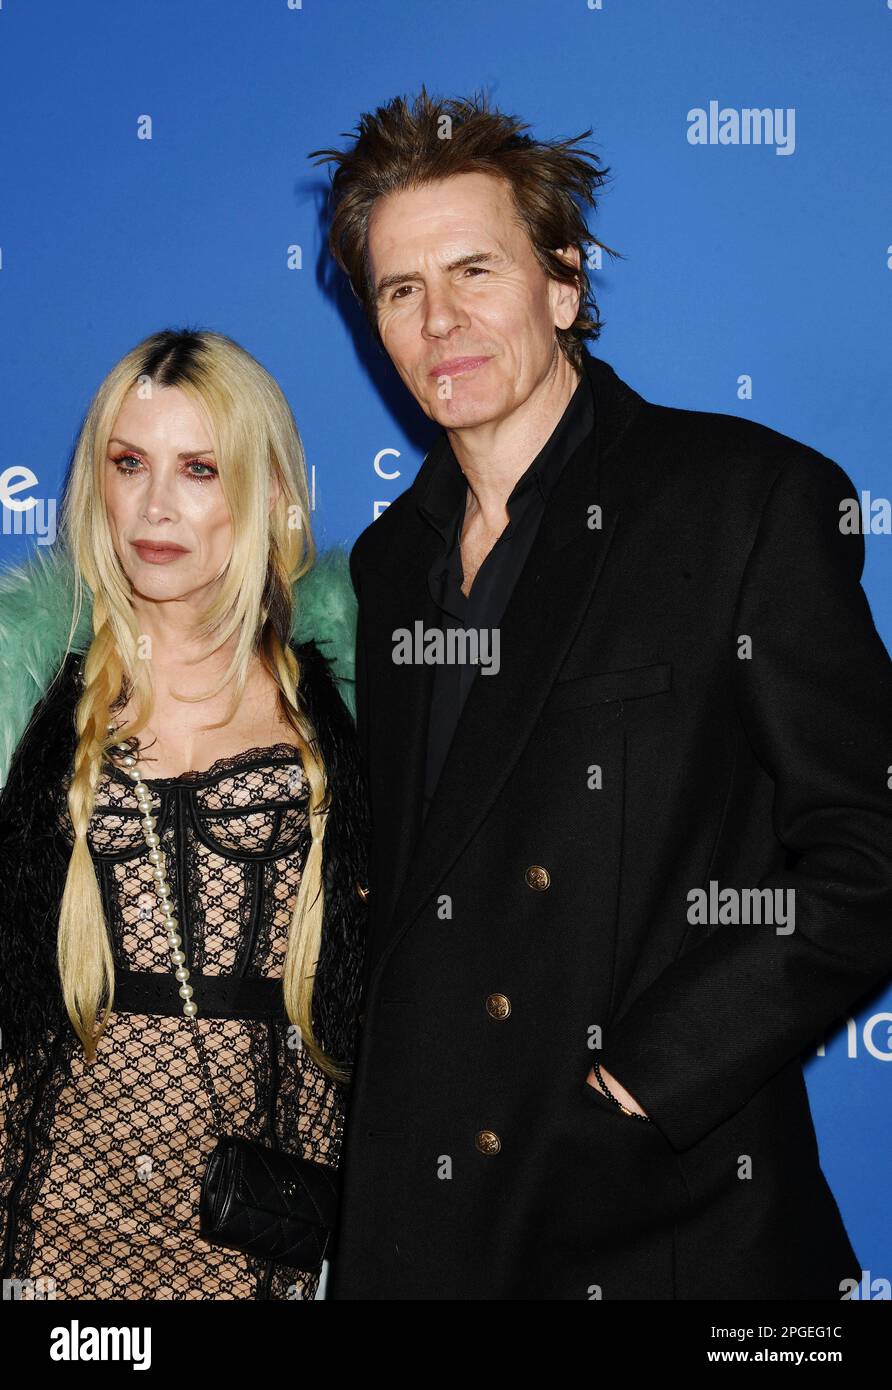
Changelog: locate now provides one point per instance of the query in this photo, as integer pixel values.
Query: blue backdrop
(768, 262)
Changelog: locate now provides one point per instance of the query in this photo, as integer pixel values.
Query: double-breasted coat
(692, 701)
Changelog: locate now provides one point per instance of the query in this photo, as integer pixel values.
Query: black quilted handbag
(268, 1203)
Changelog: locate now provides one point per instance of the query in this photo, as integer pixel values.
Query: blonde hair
(255, 438)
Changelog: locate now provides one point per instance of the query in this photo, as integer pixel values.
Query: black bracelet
(596, 1067)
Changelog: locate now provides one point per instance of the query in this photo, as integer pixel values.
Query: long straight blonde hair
(255, 439)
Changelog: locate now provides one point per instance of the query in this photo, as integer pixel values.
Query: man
(632, 857)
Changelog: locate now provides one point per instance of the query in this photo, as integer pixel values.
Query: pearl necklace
(156, 859)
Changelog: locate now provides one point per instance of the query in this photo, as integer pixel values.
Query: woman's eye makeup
(121, 462)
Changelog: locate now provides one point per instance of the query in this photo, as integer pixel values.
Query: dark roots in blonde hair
(407, 144)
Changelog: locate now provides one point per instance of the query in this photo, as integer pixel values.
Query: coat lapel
(537, 628)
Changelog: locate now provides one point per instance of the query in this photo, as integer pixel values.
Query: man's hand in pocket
(620, 1092)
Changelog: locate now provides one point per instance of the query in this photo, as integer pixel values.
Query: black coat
(619, 651)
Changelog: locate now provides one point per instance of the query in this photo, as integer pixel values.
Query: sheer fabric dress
(109, 1206)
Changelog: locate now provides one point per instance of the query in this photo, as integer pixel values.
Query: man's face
(465, 311)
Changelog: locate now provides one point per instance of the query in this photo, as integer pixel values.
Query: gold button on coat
(498, 1005)
(537, 877)
(487, 1141)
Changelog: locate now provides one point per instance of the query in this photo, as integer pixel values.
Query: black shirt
(443, 505)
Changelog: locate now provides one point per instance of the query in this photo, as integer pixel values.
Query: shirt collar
(446, 490)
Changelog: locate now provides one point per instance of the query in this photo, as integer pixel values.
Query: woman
(182, 838)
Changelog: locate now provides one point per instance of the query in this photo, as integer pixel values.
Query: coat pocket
(604, 686)
(598, 1214)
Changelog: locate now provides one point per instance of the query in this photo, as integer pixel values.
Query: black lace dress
(109, 1208)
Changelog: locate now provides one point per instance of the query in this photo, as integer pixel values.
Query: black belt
(217, 996)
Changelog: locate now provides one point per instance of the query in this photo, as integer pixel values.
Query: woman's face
(169, 520)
